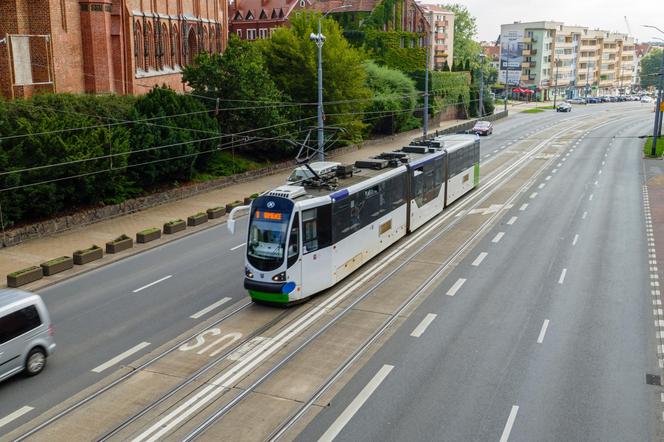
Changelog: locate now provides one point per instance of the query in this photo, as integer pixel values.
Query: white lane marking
(512, 220)
(152, 283)
(590, 198)
(210, 308)
(584, 215)
(508, 425)
(487, 156)
(120, 357)
(498, 236)
(562, 276)
(455, 288)
(238, 246)
(603, 163)
(523, 207)
(596, 183)
(479, 259)
(357, 403)
(576, 238)
(559, 164)
(554, 171)
(15, 415)
(540, 338)
(421, 328)
(541, 186)
(547, 178)
(533, 195)
(600, 172)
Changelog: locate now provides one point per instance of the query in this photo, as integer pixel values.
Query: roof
(9, 297)
(349, 5)
(273, 9)
(434, 8)
(642, 49)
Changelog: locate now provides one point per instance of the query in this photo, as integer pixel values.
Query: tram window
(397, 190)
(438, 172)
(316, 228)
(294, 241)
(370, 210)
(418, 185)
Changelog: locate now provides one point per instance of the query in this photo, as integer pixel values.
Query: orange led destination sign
(274, 216)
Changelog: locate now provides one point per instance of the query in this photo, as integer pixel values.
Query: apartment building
(551, 57)
(441, 22)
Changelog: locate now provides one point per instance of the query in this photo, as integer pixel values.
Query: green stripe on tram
(268, 297)
(477, 174)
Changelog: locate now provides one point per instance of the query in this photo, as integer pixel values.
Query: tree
(465, 29)
(394, 99)
(248, 97)
(291, 59)
(446, 66)
(650, 68)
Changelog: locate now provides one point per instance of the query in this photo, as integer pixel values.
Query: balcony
(529, 77)
(528, 39)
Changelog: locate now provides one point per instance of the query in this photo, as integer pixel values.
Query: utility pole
(481, 105)
(425, 123)
(555, 83)
(658, 114)
(587, 78)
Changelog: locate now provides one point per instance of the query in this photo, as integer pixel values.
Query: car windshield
(482, 124)
(267, 238)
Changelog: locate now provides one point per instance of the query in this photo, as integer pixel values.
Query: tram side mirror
(236, 213)
(231, 226)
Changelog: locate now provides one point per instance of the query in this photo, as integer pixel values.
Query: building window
(239, 33)
(251, 34)
(262, 33)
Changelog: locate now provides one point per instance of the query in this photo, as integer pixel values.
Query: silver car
(26, 333)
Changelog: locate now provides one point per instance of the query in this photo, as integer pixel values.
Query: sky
(604, 14)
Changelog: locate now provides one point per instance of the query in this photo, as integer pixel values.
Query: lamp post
(587, 78)
(319, 39)
(425, 116)
(555, 83)
(481, 104)
(658, 113)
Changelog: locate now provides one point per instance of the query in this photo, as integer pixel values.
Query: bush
(394, 99)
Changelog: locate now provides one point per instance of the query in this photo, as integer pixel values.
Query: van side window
(18, 322)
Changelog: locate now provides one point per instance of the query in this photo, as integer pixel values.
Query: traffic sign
(661, 106)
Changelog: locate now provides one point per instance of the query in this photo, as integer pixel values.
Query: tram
(330, 219)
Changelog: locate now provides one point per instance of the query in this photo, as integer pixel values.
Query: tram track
(309, 315)
(202, 398)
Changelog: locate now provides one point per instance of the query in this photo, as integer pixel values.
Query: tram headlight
(248, 273)
(279, 277)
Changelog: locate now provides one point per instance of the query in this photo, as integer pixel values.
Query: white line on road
(210, 308)
(554, 171)
(153, 283)
(562, 276)
(576, 238)
(15, 415)
(508, 425)
(533, 195)
(455, 288)
(540, 338)
(512, 220)
(354, 406)
(238, 246)
(590, 198)
(479, 259)
(541, 186)
(600, 172)
(421, 328)
(559, 164)
(523, 207)
(584, 215)
(603, 162)
(120, 357)
(498, 236)
(547, 178)
(596, 183)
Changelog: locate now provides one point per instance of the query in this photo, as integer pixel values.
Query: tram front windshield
(267, 239)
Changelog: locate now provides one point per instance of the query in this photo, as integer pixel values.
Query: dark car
(564, 107)
(483, 128)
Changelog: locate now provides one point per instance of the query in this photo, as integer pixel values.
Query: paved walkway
(40, 250)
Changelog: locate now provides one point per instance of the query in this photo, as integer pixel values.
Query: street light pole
(319, 39)
(658, 114)
(587, 78)
(481, 105)
(555, 84)
(425, 117)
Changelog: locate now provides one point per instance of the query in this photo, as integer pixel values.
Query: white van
(26, 333)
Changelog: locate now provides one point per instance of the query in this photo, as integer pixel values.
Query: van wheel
(35, 362)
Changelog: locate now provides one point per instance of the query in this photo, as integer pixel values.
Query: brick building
(254, 19)
(104, 46)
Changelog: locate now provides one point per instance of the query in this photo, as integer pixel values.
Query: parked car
(646, 99)
(26, 333)
(483, 128)
(564, 107)
(577, 100)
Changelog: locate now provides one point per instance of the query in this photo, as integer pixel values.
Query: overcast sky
(603, 14)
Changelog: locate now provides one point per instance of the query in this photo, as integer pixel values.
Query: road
(130, 307)
(549, 336)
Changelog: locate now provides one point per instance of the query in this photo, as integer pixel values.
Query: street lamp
(555, 83)
(481, 105)
(658, 113)
(319, 39)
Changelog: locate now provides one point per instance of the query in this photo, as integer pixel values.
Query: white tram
(306, 236)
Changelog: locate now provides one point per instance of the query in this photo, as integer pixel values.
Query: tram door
(316, 249)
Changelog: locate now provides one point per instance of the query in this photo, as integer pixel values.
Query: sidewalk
(36, 251)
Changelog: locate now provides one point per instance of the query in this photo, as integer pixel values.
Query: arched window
(193, 46)
(205, 44)
(150, 56)
(176, 50)
(167, 59)
(213, 40)
(138, 47)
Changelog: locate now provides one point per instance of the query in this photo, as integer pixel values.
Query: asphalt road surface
(477, 358)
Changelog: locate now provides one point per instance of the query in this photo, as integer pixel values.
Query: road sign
(661, 106)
